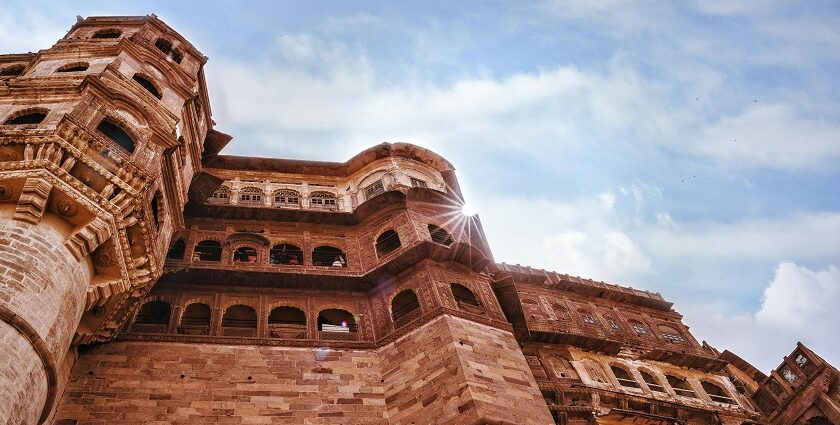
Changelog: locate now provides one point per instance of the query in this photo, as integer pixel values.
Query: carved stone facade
(144, 278)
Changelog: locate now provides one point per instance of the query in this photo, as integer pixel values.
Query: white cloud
(664, 219)
(800, 304)
(607, 199)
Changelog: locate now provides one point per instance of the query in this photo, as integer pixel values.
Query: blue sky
(690, 148)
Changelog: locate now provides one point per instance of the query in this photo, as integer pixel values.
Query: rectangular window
(374, 189)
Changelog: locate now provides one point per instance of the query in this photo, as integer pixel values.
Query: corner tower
(101, 136)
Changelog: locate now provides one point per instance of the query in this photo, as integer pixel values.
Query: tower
(101, 137)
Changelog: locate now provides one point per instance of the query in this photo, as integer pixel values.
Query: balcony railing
(194, 330)
(406, 315)
(240, 332)
(287, 330)
(149, 328)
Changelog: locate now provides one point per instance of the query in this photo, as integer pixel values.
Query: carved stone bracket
(33, 200)
(88, 237)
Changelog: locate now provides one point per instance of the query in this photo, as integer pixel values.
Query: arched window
(196, 315)
(245, 254)
(336, 320)
(207, 251)
(220, 197)
(328, 256)
(323, 201)
(286, 199)
(614, 325)
(624, 377)
(163, 45)
(463, 296)
(114, 132)
(651, 381)
(251, 196)
(638, 327)
(595, 371)
(588, 317)
(154, 313)
(440, 235)
(287, 322)
(387, 242)
(239, 320)
(74, 67)
(107, 33)
(287, 254)
(176, 251)
(148, 85)
(404, 307)
(680, 386)
(374, 189)
(35, 117)
(716, 393)
(671, 335)
(12, 70)
(560, 310)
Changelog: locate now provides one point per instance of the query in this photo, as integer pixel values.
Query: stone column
(42, 298)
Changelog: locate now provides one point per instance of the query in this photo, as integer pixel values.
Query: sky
(690, 148)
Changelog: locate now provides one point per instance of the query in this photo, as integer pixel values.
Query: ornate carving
(88, 237)
(105, 256)
(6, 191)
(8, 154)
(67, 207)
(33, 200)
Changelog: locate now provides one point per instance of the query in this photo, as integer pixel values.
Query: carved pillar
(42, 298)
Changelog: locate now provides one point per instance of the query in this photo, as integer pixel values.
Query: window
(163, 45)
(287, 317)
(613, 324)
(74, 67)
(560, 310)
(28, 118)
(789, 375)
(440, 235)
(148, 85)
(220, 196)
(801, 360)
(245, 254)
(418, 183)
(207, 251)
(373, 189)
(595, 371)
(11, 71)
(623, 377)
(287, 254)
(239, 316)
(402, 307)
(672, 335)
(107, 33)
(286, 199)
(328, 256)
(251, 196)
(154, 204)
(323, 200)
(177, 56)
(463, 296)
(638, 327)
(154, 313)
(114, 132)
(176, 252)
(587, 318)
(387, 242)
(680, 386)
(716, 393)
(652, 382)
(336, 320)
(197, 315)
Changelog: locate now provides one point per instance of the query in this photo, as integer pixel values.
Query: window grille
(286, 199)
(374, 189)
(323, 200)
(418, 183)
(251, 196)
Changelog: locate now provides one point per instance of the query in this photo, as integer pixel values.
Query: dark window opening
(148, 85)
(116, 134)
(336, 320)
(328, 256)
(287, 254)
(196, 314)
(74, 67)
(155, 205)
(177, 56)
(30, 118)
(403, 305)
(208, 251)
(588, 318)
(11, 71)
(287, 316)
(463, 296)
(107, 33)
(374, 189)
(624, 378)
(652, 382)
(176, 252)
(239, 316)
(154, 313)
(717, 393)
(163, 45)
(440, 235)
(680, 386)
(245, 254)
(387, 242)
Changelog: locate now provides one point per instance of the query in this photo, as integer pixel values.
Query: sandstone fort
(145, 278)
